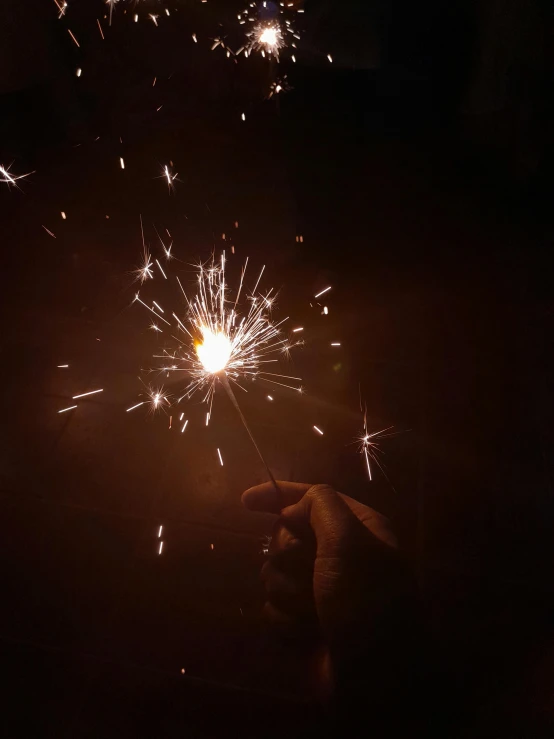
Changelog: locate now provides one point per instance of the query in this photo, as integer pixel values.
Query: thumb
(266, 499)
(325, 512)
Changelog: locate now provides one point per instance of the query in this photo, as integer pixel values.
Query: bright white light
(214, 352)
(269, 36)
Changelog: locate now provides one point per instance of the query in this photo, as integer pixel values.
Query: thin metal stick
(225, 382)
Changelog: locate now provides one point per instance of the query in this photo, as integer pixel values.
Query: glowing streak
(181, 416)
(91, 392)
(296, 330)
(132, 408)
(220, 458)
(111, 3)
(160, 532)
(62, 366)
(161, 270)
(100, 27)
(336, 343)
(269, 397)
(319, 431)
(9, 179)
(71, 407)
(73, 37)
(121, 162)
(153, 18)
(323, 292)
(184, 427)
(49, 232)
(161, 547)
(157, 306)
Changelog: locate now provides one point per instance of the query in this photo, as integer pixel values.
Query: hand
(334, 560)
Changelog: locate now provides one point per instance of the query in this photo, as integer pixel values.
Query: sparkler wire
(225, 382)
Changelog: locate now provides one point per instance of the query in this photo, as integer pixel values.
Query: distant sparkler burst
(267, 37)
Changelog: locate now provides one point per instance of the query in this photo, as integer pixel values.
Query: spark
(181, 416)
(163, 273)
(297, 330)
(63, 215)
(91, 392)
(194, 38)
(62, 7)
(368, 445)
(184, 426)
(132, 408)
(78, 72)
(161, 547)
(111, 3)
(62, 366)
(325, 311)
(100, 28)
(10, 179)
(71, 407)
(153, 18)
(269, 397)
(335, 343)
(330, 58)
(49, 232)
(73, 37)
(243, 116)
(323, 292)
(169, 176)
(319, 431)
(160, 532)
(122, 163)
(220, 458)
(155, 328)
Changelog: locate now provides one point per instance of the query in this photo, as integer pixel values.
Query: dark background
(417, 168)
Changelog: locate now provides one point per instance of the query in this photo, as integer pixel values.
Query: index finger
(266, 499)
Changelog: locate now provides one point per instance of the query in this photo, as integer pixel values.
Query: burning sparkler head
(267, 37)
(215, 350)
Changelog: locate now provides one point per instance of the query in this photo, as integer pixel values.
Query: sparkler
(267, 37)
(217, 344)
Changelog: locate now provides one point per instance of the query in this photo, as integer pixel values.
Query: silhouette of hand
(332, 560)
